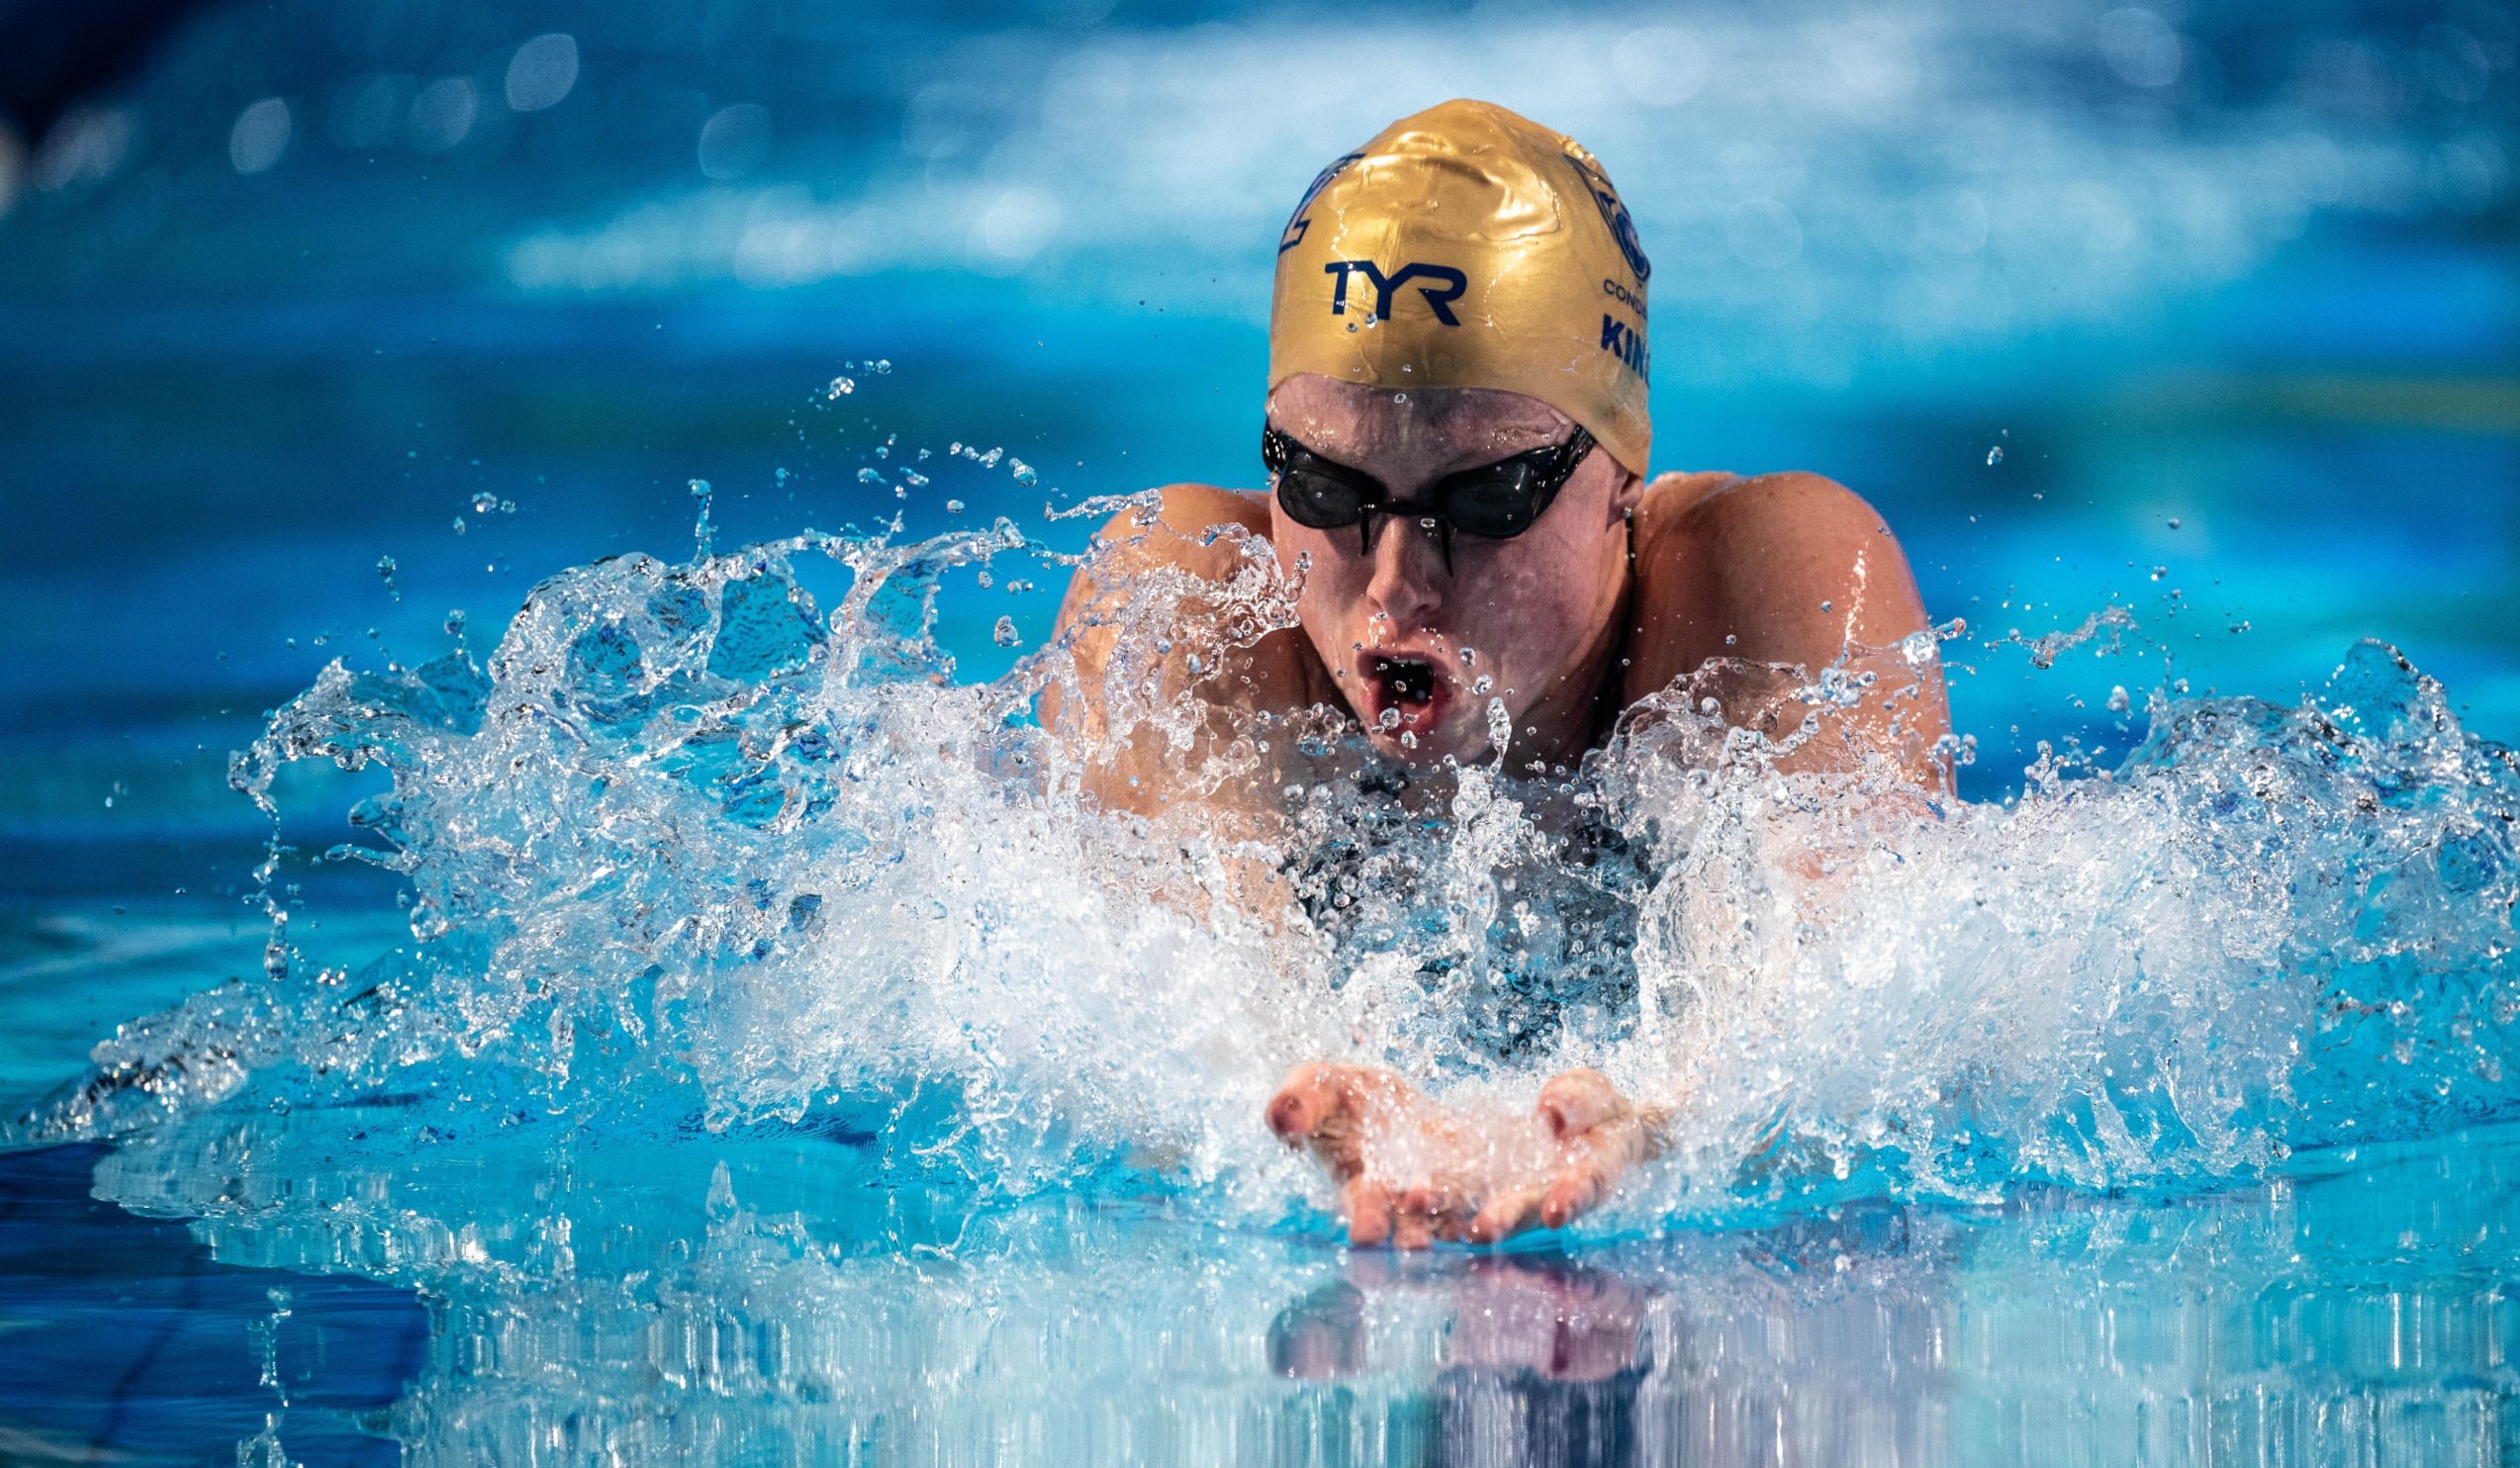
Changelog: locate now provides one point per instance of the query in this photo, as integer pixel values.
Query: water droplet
(2174, 522)
(1024, 474)
(2159, 571)
(1006, 635)
(1469, 657)
(882, 365)
(953, 507)
(868, 476)
(1995, 456)
(2118, 701)
(702, 532)
(841, 387)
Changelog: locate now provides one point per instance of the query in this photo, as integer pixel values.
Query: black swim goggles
(1496, 502)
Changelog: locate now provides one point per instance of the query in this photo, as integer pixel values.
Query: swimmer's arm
(1141, 667)
(1789, 569)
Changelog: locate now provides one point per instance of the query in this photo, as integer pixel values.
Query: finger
(1306, 1098)
(1578, 1101)
(1327, 1106)
(1447, 1212)
(1578, 1187)
(1369, 1209)
(1507, 1214)
(1289, 1117)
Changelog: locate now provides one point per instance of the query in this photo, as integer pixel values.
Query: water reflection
(779, 1295)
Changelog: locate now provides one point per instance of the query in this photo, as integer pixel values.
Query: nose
(1409, 574)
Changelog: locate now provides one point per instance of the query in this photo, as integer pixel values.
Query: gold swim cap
(1469, 247)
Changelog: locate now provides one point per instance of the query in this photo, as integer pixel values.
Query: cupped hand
(1411, 1170)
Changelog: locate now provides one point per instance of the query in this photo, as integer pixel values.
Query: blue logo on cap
(1613, 213)
(1296, 225)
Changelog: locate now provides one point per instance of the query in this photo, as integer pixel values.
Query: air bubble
(1005, 634)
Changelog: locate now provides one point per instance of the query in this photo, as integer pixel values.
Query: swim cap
(1469, 247)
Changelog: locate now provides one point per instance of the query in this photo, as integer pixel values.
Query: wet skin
(1619, 591)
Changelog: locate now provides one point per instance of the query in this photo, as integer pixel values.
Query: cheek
(1547, 600)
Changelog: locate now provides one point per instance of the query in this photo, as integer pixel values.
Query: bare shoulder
(1188, 527)
(1750, 513)
(1206, 534)
(1784, 568)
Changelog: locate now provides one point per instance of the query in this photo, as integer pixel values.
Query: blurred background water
(319, 323)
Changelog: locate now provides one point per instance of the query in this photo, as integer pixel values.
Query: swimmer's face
(1407, 640)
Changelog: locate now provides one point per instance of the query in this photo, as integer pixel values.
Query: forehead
(1444, 421)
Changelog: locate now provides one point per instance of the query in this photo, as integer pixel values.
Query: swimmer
(1456, 437)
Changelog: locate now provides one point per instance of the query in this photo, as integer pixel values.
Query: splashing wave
(687, 847)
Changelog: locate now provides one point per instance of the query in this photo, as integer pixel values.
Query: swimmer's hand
(1411, 1170)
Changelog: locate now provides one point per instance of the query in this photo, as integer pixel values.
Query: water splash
(690, 847)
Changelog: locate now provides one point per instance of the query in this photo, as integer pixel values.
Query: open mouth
(1404, 695)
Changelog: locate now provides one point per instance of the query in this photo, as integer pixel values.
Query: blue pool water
(699, 1029)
